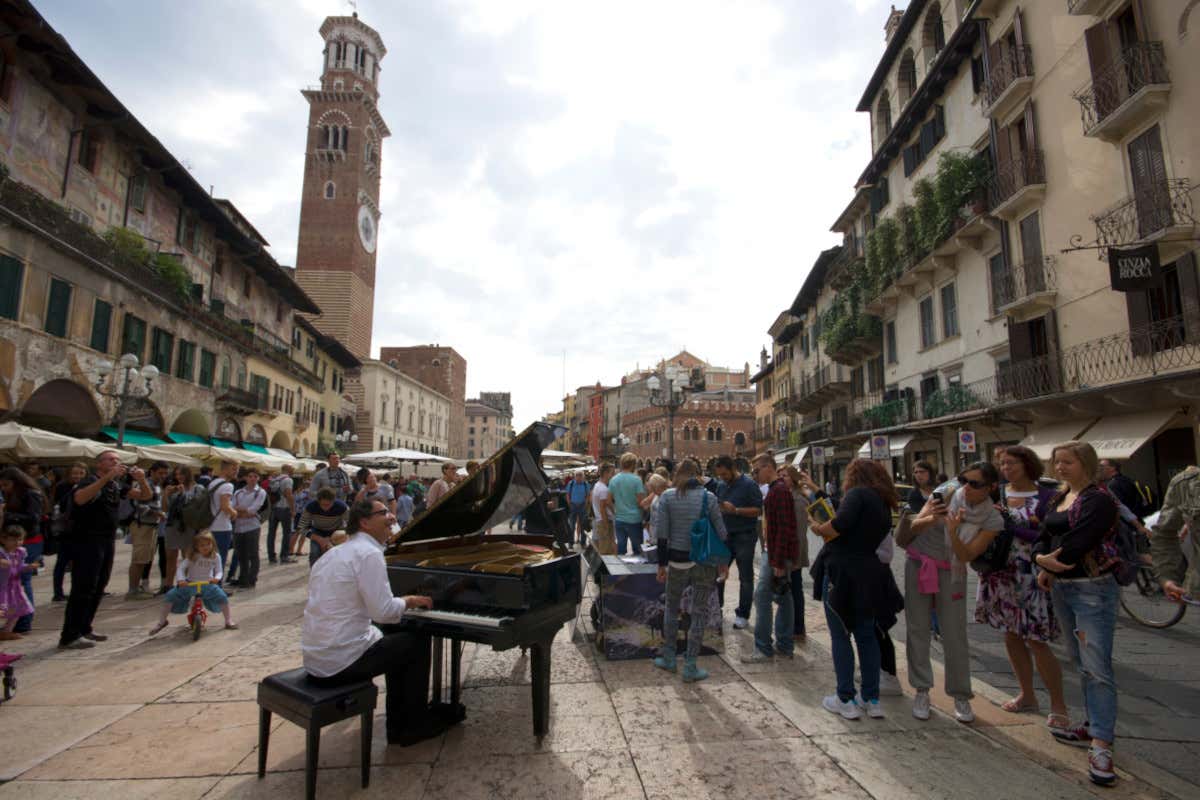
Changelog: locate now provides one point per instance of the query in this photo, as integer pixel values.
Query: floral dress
(1009, 599)
(13, 602)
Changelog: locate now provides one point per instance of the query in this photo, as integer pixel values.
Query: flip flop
(1013, 706)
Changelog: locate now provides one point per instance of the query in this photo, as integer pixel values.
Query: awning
(258, 448)
(898, 442)
(275, 451)
(224, 443)
(166, 455)
(23, 443)
(800, 456)
(865, 450)
(1120, 435)
(187, 438)
(1042, 440)
(137, 438)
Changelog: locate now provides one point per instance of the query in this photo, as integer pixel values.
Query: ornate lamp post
(346, 438)
(620, 442)
(122, 380)
(671, 398)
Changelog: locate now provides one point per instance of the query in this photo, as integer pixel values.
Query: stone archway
(62, 406)
(281, 441)
(229, 429)
(142, 414)
(256, 434)
(192, 421)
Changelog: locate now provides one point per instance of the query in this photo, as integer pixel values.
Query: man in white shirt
(603, 536)
(247, 526)
(220, 498)
(348, 590)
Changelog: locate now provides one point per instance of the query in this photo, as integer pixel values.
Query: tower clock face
(366, 229)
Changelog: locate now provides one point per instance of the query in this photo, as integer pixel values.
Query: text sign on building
(818, 454)
(966, 442)
(881, 449)
(1134, 268)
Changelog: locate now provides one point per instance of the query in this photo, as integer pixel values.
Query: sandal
(1015, 706)
(158, 627)
(231, 626)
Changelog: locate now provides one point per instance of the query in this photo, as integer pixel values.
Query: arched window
(720, 434)
(906, 80)
(330, 190)
(883, 119)
(711, 434)
(933, 37)
(739, 439)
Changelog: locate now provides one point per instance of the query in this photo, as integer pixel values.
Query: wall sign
(966, 442)
(818, 455)
(880, 448)
(1134, 268)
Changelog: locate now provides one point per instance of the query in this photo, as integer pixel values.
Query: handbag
(707, 547)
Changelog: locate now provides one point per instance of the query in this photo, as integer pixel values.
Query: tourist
(1075, 555)
(1120, 486)
(319, 520)
(60, 520)
(96, 503)
(177, 538)
(655, 486)
(780, 556)
(303, 498)
(603, 536)
(15, 605)
(349, 600)
(404, 507)
(442, 485)
(24, 507)
(741, 506)
(627, 491)
(248, 503)
(334, 477)
(374, 489)
(577, 495)
(283, 511)
(678, 510)
(801, 487)
(1009, 599)
(220, 498)
(37, 473)
(143, 531)
(205, 476)
(1179, 570)
(854, 585)
(200, 563)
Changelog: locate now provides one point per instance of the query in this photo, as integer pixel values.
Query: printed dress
(1009, 599)
(13, 602)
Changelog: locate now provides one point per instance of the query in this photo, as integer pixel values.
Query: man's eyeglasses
(973, 484)
(376, 513)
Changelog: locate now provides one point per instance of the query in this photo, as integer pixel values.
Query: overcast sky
(612, 180)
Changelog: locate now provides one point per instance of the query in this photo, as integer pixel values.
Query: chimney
(893, 23)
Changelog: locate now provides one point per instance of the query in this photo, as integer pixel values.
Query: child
(13, 602)
(339, 537)
(202, 562)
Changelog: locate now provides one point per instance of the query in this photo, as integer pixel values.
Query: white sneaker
(889, 685)
(874, 710)
(740, 623)
(756, 656)
(848, 709)
(921, 704)
(963, 712)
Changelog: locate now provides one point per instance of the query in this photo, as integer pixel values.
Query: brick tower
(339, 207)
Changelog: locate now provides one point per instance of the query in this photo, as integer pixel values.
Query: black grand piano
(503, 589)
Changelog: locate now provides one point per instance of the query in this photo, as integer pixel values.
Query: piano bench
(293, 696)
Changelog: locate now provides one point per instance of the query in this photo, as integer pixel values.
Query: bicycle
(197, 618)
(1144, 600)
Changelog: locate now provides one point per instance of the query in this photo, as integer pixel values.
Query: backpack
(995, 557)
(1120, 547)
(273, 491)
(197, 513)
(707, 547)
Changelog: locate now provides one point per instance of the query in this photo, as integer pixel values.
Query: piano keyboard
(458, 617)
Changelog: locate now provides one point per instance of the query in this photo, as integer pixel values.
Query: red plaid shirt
(779, 518)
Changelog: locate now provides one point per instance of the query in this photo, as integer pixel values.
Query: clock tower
(339, 207)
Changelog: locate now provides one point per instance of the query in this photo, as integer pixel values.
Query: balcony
(1019, 185)
(1027, 290)
(1126, 93)
(1161, 214)
(1091, 8)
(1009, 82)
(853, 339)
(240, 400)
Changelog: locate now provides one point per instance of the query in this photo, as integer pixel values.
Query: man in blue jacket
(577, 494)
(741, 505)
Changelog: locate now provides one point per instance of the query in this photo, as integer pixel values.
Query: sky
(570, 189)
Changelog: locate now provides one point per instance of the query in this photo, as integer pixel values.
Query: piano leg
(436, 669)
(539, 673)
(456, 651)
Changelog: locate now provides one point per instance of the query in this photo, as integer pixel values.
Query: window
(219, 261)
(998, 274)
(889, 333)
(977, 74)
(883, 120)
(133, 336)
(471, 430)
(161, 348)
(927, 334)
(260, 387)
(906, 79)
(929, 386)
(12, 274)
(186, 230)
(58, 308)
(330, 190)
(101, 324)
(185, 365)
(949, 311)
(296, 338)
(137, 193)
(88, 156)
(720, 434)
(856, 382)
(246, 283)
(308, 348)
(208, 365)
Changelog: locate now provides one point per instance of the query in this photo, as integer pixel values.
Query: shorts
(603, 538)
(144, 539)
(177, 539)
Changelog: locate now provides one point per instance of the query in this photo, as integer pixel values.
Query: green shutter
(133, 336)
(161, 351)
(58, 308)
(11, 274)
(208, 365)
(101, 323)
(185, 364)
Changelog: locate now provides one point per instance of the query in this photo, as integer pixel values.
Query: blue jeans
(843, 652)
(1087, 611)
(629, 532)
(33, 554)
(765, 601)
(741, 550)
(224, 543)
(575, 518)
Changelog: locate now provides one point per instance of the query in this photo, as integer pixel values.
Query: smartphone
(941, 498)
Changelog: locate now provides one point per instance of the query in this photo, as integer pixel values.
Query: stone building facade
(708, 425)
(394, 410)
(488, 428)
(444, 371)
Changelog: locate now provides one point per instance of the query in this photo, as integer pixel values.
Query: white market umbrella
(391, 457)
(23, 443)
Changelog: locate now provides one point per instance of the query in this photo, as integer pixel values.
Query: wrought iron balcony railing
(1019, 172)
(1024, 281)
(1016, 62)
(1152, 209)
(1137, 67)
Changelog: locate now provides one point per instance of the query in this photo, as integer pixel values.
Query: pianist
(344, 637)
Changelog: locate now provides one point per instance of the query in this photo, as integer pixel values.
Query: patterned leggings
(702, 578)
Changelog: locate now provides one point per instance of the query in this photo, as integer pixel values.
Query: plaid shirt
(779, 519)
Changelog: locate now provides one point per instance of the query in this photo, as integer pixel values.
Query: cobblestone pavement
(164, 717)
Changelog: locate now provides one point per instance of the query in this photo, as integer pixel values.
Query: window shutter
(1003, 148)
(1189, 295)
(58, 307)
(939, 123)
(910, 160)
(1031, 137)
(1020, 342)
(1137, 305)
(101, 322)
(12, 272)
(1148, 169)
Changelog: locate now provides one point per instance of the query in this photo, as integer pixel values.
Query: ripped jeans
(1087, 611)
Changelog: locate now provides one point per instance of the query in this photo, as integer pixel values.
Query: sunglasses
(973, 484)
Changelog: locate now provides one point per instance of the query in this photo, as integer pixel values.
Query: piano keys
(499, 589)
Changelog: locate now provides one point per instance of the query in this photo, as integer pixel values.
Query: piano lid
(502, 487)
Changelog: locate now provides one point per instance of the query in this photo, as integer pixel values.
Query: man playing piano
(348, 590)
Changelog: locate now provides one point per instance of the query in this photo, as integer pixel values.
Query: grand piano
(501, 589)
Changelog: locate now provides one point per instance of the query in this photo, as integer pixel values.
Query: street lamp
(671, 399)
(620, 442)
(346, 438)
(123, 385)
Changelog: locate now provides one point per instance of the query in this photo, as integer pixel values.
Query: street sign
(818, 454)
(966, 442)
(881, 449)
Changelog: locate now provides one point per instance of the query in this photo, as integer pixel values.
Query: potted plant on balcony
(959, 178)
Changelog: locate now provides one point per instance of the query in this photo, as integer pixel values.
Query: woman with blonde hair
(1076, 554)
